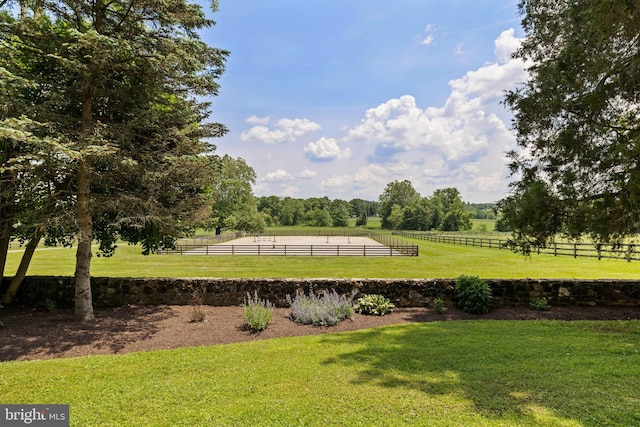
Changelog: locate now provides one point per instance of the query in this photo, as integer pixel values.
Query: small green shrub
(473, 295)
(49, 305)
(326, 309)
(439, 306)
(257, 312)
(376, 305)
(540, 304)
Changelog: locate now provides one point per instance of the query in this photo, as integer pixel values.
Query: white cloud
(430, 31)
(288, 190)
(326, 149)
(374, 176)
(258, 120)
(505, 45)
(278, 176)
(308, 174)
(336, 183)
(459, 144)
(458, 49)
(461, 130)
(286, 130)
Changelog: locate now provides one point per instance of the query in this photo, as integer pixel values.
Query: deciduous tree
(577, 120)
(400, 193)
(233, 204)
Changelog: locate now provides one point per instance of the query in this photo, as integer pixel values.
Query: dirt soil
(30, 334)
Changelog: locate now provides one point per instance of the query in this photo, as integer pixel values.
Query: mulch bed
(30, 334)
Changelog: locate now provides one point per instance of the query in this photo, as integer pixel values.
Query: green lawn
(472, 373)
(436, 260)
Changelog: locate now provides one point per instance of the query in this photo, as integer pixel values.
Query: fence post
(629, 250)
(575, 250)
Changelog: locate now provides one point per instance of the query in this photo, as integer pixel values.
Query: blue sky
(338, 98)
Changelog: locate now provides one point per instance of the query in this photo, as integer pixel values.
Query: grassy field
(474, 373)
(436, 260)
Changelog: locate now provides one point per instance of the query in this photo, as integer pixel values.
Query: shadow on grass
(113, 329)
(532, 373)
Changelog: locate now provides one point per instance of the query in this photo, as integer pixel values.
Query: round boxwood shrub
(473, 295)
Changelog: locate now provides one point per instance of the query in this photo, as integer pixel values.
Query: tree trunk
(83, 298)
(18, 278)
(6, 225)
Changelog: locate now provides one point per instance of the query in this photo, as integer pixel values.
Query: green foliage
(376, 305)
(397, 194)
(402, 208)
(325, 309)
(473, 295)
(540, 304)
(533, 215)
(318, 218)
(49, 305)
(339, 210)
(233, 206)
(257, 313)
(121, 88)
(456, 217)
(439, 306)
(577, 123)
(362, 220)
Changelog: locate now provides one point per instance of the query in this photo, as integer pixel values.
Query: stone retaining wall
(110, 291)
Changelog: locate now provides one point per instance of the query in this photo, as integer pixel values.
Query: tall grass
(473, 373)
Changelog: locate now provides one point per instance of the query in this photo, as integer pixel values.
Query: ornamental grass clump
(376, 305)
(324, 309)
(197, 313)
(257, 312)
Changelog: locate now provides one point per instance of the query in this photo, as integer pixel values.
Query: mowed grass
(436, 260)
(471, 373)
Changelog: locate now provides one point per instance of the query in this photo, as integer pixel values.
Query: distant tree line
(482, 210)
(402, 208)
(314, 211)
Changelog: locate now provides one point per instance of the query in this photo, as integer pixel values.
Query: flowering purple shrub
(257, 312)
(325, 309)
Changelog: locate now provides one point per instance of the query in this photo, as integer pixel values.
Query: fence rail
(213, 246)
(629, 252)
(295, 250)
